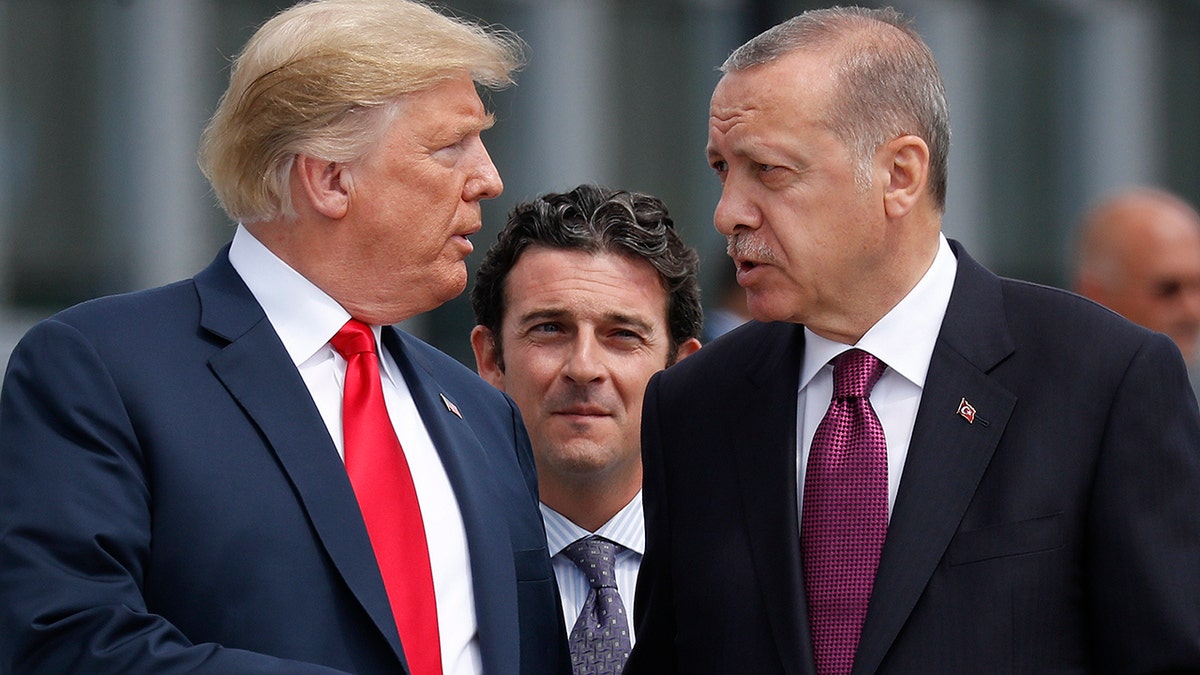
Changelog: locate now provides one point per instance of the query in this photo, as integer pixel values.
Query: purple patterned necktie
(843, 520)
(599, 641)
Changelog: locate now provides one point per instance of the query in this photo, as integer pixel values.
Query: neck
(310, 251)
(908, 263)
(589, 505)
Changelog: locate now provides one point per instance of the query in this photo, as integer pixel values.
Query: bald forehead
(1142, 213)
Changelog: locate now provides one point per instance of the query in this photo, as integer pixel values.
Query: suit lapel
(472, 479)
(257, 372)
(947, 453)
(764, 449)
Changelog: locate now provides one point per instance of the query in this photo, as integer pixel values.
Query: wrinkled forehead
(800, 81)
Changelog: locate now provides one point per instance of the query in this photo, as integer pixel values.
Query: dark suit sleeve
(654, 618)
(1143, 550)
(75, 523)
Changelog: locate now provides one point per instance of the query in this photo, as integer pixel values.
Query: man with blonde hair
(227, 474)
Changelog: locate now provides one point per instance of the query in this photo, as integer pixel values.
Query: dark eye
(1168, 289)
(720, 166)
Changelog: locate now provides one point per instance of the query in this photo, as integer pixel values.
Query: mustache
(742, 247)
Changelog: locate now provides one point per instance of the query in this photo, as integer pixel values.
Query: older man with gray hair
(907, 464)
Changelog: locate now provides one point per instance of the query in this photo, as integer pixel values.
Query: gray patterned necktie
(600, 639)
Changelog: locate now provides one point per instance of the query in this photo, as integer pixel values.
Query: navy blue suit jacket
(1059, 532)
(171, 500)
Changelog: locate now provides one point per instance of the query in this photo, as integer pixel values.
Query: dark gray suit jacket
(1057, 533)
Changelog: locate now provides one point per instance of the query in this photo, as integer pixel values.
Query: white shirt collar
(624, 528)
(904, 338)
(304, 316)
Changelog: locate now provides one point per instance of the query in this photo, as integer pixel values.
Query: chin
(764, 310)
(583, 457)
(451, 286)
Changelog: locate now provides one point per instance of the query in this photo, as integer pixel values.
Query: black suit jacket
(171, 500)
(1057, 533)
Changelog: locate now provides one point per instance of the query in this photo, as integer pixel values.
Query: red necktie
(843, 520)
(388, 500)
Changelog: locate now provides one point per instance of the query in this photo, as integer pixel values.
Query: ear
(325, 184)
(686, 349)
(907, 164)
(483, 343)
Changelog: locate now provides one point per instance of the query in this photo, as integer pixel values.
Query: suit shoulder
(1057, 335)
(745, 348)
(112, 323)
(151, 305)
(434, 357)
(1053, 311)
(449, 370)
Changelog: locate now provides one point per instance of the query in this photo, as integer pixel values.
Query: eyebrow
(465, 129)
(559, 314)
(541, 314)
(488, 121)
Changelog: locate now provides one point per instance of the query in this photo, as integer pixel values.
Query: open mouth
(747, 266)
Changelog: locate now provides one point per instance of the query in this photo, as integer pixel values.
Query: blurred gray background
(1053, 102)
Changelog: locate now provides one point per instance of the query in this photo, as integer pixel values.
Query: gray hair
(888, 80)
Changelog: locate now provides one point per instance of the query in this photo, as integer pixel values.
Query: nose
(585, 362)
(484, 182)
(735, 210)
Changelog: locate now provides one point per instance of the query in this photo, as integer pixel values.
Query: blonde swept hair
(323, 78)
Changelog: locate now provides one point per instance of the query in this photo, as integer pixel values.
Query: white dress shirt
(306, 318)
(626, 529)
(904, 340)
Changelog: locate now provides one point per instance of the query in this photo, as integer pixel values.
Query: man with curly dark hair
(582, 298)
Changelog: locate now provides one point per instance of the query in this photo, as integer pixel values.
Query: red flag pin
(454, 409)
(967, 411)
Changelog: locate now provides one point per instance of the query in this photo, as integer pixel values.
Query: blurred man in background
(1138, 253)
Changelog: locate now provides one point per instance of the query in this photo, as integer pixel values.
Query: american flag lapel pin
(450, 406)
(966, 411)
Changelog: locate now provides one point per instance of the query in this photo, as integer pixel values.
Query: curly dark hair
(595, 219)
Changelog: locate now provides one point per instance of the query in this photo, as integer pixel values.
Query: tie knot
(855, 373)
(596, 558)
(354, 338)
